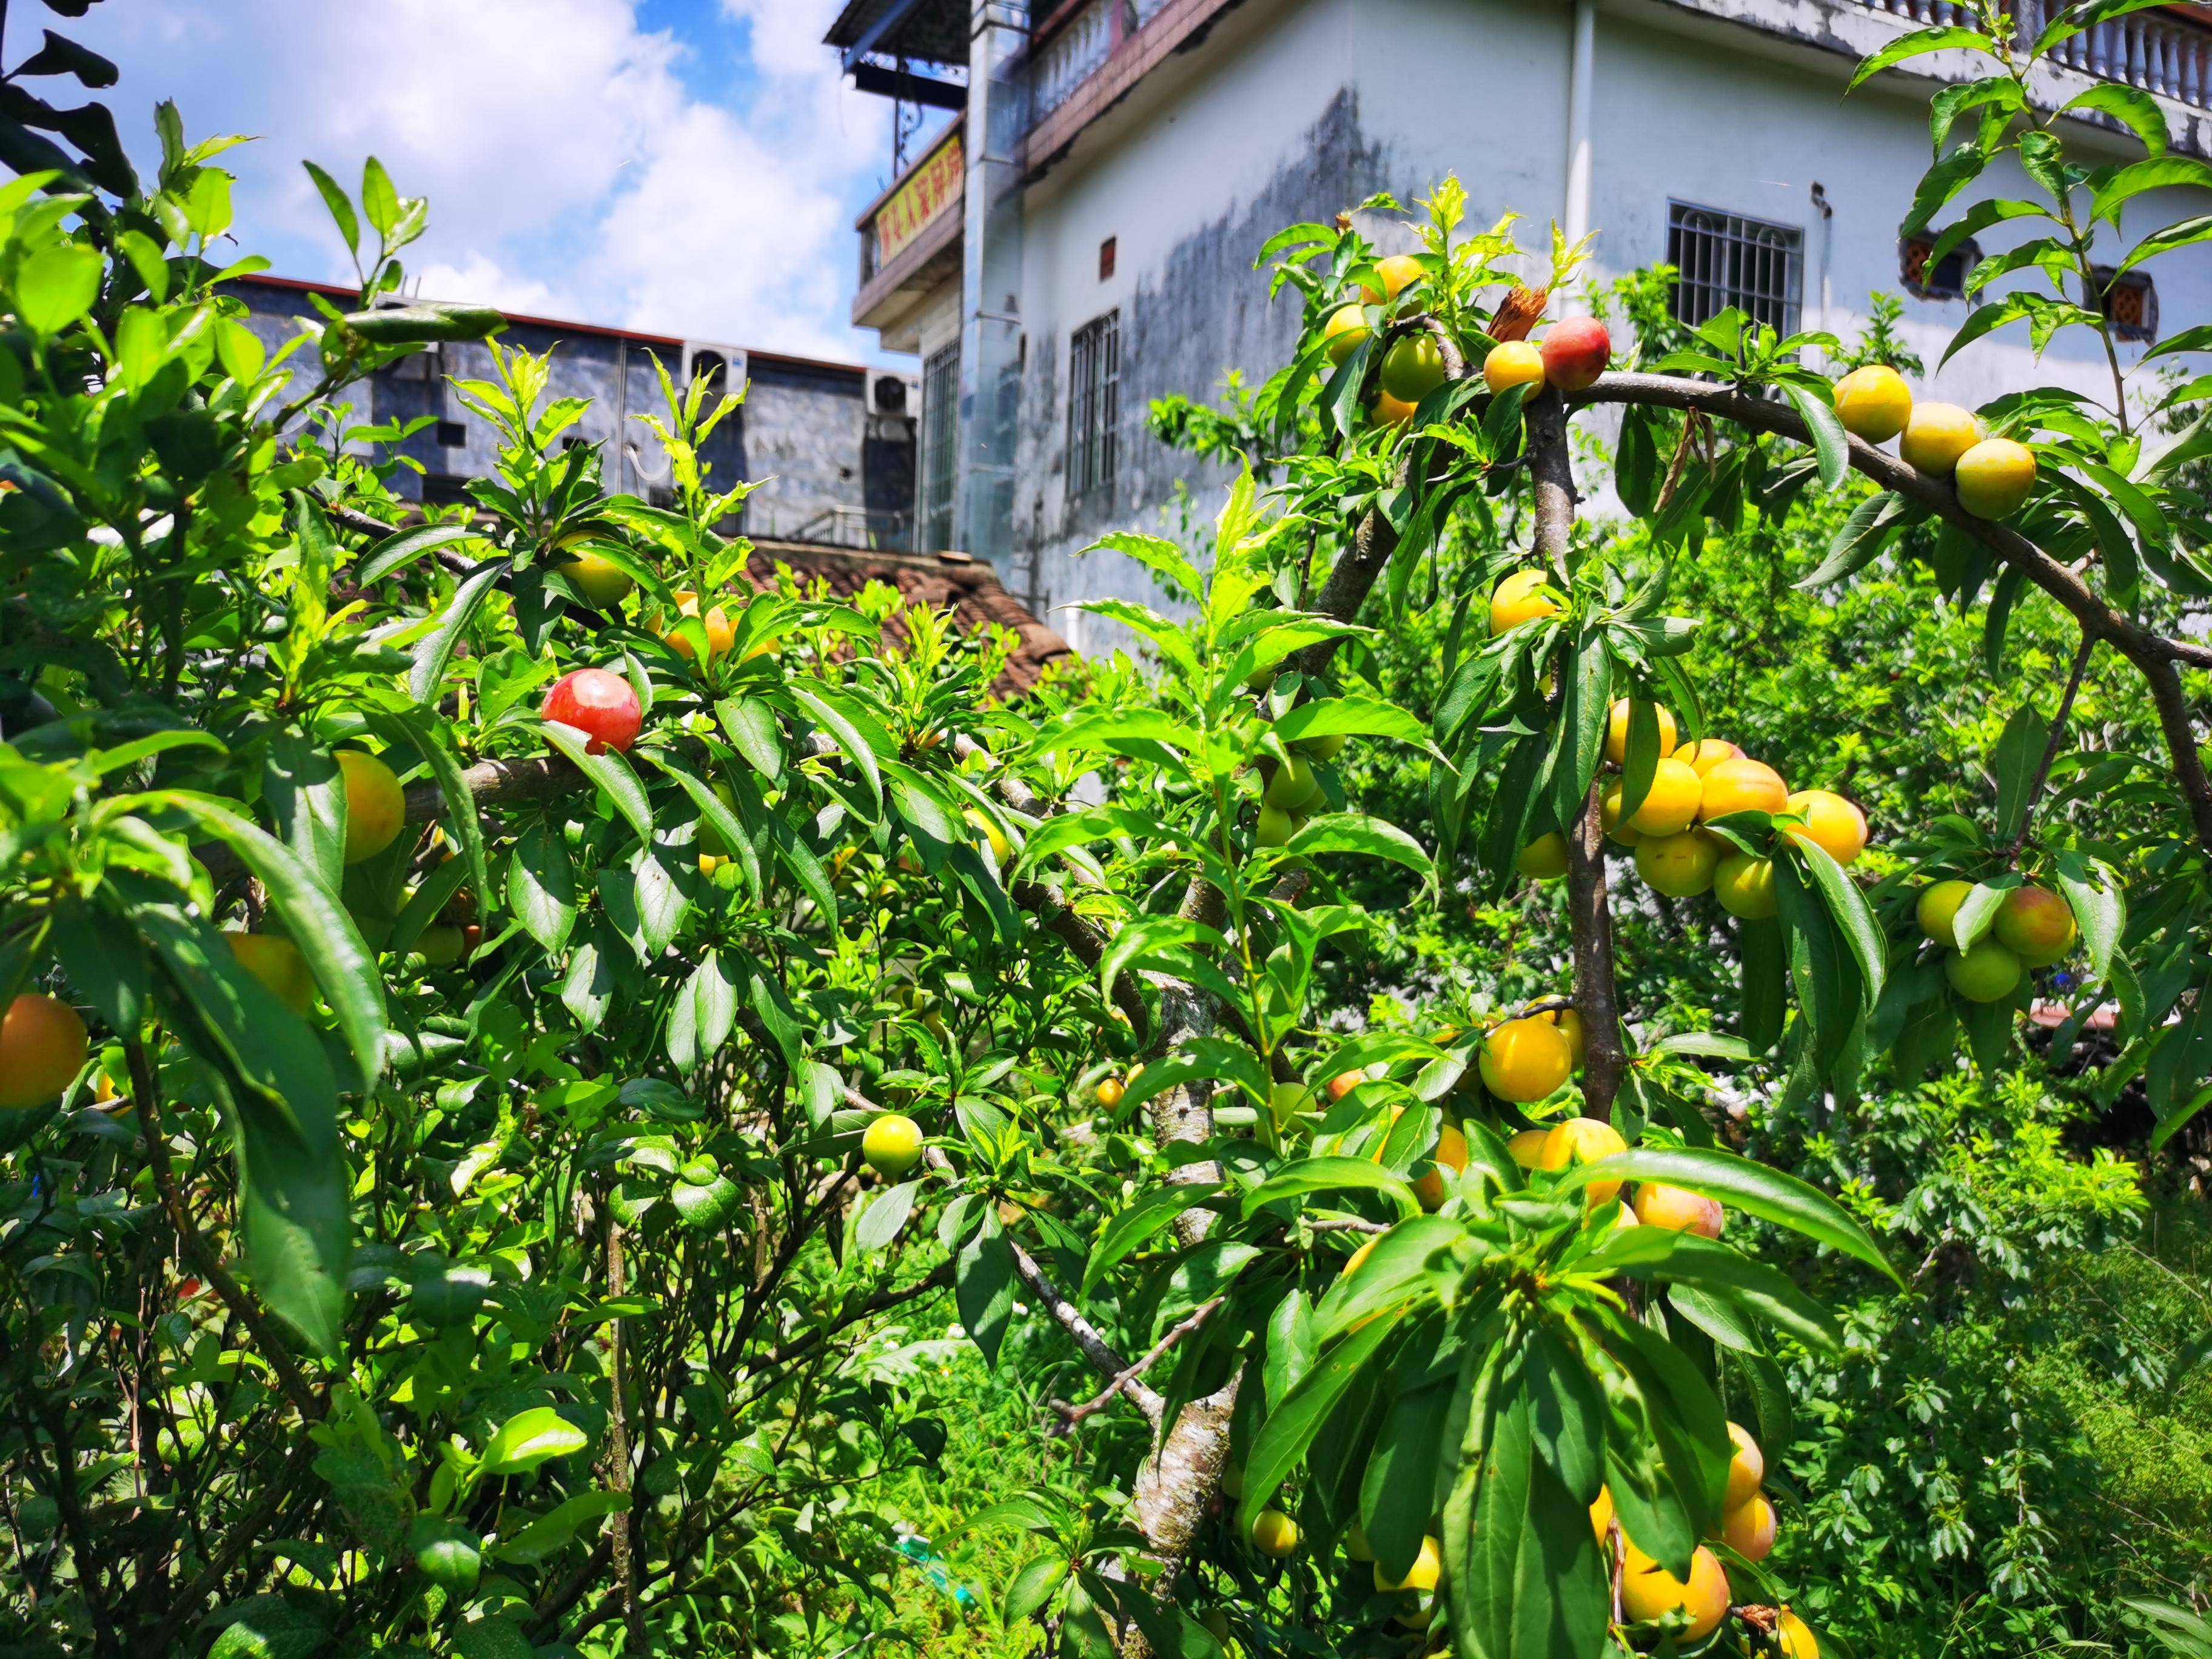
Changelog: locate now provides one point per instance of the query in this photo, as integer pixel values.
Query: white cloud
(569, 169)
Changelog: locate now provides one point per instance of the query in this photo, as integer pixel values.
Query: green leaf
(1132, 1228)
(1281, 1444)
(1321, 1175)
(343, 965)
(1854, 917)
(845, 735)
(1754, 1188)
(56, 286)
(541, 886)
(531, 1437)
(887, 1211)
(2131, 107)
(1686, 1259)
(437, 648)
(1832, 445)
(751, 728)
(339, 204)
(1356, 832)
(1359, 717)
(1034, 1586)
(608, 769)
(547, 1535)
(1873, 524)
(1915, 44)
(399, 551)
(2018, 753)
(307, 796)
(983, 1288)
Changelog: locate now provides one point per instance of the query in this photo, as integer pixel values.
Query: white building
(1097, 251)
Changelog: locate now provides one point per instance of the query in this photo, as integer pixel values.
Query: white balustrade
(2158, 53)
(1071, 57)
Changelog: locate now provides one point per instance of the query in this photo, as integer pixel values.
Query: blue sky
(687, 167)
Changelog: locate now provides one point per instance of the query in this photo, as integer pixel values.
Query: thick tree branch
(2156, 656)
(1605, 1058)
(1104, 1357)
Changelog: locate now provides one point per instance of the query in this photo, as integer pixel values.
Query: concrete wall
(1296, 110)
(804, 427)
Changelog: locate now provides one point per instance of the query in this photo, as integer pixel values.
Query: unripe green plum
(1988, 973)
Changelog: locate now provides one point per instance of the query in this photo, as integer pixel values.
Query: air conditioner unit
(893, 393)
(725, 362)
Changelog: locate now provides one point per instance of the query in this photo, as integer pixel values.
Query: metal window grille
(2130, 304)
(940, 428)
(1726, 260)
(1094, 405)
(1943, 279)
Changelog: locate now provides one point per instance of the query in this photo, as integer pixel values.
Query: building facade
(834, 442)
(1079, 239)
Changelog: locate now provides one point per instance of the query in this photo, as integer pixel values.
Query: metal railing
(874, 530)
(2159, 52)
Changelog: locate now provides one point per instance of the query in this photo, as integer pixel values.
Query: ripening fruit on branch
(1874, 403)
(1293, 786)
(1398, 272)
(42, 1048)
(1426, 1569)
(603, 706)
(1608, 815)
(1276, 826)
(1938, 435)
(1833, 825)
(1680, 866)
(988, 834)
(1412, 368)
(1109, 1091)
(1344, 330)
(1600, 1513)
(376, 806)
(1326, 747)
(1988, 973)
(1747, 1467)
(1581, 1140)
(276, 963)
(1520, 598)
(1649, 1592)
(1995, 477)
(1274, 1534)
(1386, 410)
(1576, 352)
(722, 631)
(601, 582)
(1670, 805)
(1524, 1060)
(1706, 753)
(2035, 925)
(891, 1144)
(1748, 1528)
(1511, 363)
(1745, 887)
(1937, 911)
(1450, 1154)
(1287, 1100)
(1678, 1210)
(1616, 732)
(1570, 1025)
(1217, 1624)
(1797, 1636)
(1544, 858)
(1527, 1148)
(1742, 786)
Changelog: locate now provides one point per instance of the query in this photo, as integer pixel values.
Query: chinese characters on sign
(929, 191)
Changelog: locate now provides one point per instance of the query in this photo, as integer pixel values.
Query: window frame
(1968, 254)
(936, 477)
(1094, 407)
(2142, 333)
(1738, 236)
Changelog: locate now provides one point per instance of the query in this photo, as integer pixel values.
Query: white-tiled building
(1080, 239)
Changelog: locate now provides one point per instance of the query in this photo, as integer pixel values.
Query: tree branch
(1072, 1415)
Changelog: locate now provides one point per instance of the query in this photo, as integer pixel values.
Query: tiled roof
(968, 584)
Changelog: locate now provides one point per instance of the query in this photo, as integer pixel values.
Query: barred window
(1094, 405)
(941, 434)
(1727, 259)
(2130, 304)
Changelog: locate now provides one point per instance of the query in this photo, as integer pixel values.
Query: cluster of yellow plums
(1994, 477)
(2033, 928)
(1572, 356)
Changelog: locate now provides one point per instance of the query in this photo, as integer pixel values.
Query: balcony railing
(2158, 53)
